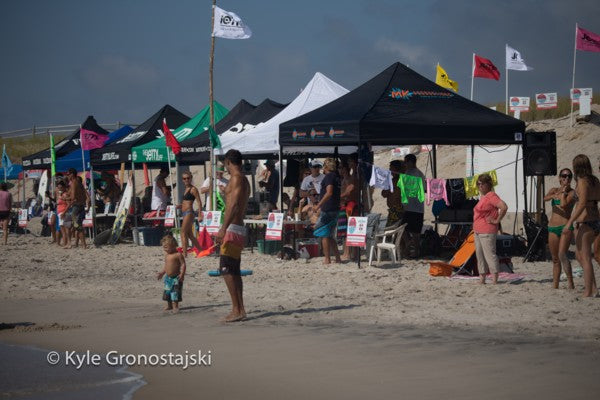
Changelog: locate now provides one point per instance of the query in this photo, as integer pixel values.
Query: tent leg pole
(135, 222)
(360, 194)
(434, 171)
(93, 200)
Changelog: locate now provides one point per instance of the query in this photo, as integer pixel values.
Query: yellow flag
(441, 78)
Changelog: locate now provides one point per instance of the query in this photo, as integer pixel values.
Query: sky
(121, 60)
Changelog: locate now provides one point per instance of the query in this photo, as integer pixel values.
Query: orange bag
(440, 269)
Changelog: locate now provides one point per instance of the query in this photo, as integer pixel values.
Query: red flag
(587, 40)
(484, 68)
(91, 140)
(171, 140)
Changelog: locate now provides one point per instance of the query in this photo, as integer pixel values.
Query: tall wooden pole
(211, 108)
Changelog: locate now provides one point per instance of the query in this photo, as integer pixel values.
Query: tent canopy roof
(264, 138)
(400, 106)
(156, 150)
(41, 159)
(120, 151)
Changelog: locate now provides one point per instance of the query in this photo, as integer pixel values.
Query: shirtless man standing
(232, 235)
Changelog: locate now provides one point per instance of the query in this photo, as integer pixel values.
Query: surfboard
(43, 187)
(121, 214)
(216, 272)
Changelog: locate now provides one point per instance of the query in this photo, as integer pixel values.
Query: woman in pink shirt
(5, 207)
(487, 215)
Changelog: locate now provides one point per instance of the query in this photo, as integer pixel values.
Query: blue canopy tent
(73, 159)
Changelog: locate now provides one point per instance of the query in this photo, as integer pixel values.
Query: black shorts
(4, 215)
(414, 221)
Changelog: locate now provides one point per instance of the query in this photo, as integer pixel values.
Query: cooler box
(150, 236)
(268, 246)
(312, 246)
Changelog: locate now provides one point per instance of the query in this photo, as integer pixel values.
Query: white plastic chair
(390, 241)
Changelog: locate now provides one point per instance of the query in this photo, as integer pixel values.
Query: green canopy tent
(156, 150)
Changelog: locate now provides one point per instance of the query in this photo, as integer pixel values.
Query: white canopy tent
(264, 138)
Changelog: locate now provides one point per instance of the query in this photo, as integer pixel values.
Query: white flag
(229, 26)
(515, 61)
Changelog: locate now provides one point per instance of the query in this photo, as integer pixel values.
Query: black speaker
(539, 153)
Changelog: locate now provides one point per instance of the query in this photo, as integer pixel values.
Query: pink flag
(587, 40)
(91, 140)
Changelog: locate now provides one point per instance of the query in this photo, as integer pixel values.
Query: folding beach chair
(461, 258)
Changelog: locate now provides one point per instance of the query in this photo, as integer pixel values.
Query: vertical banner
(546, 101)
(579, 93)
(274, 226)
(519, 103)
(357, 232)
(88, 221)
(22, 217)
(170, 217)
(212, 221)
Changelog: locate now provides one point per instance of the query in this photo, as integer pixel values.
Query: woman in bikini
(187, 212)
(587, 219)
(562, 199)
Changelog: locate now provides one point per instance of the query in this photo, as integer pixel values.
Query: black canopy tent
(196, 150)
(111, 156)
(233, 116)
(400, 106)
(42, 160)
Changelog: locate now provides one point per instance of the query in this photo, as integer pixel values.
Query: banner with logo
(519, 103)
(212, 221)
(400, 152)
(579, 93)
(546, 100)
(22, 217)
(88, 221)
(170, 216)
(357, 232)
(274, 226)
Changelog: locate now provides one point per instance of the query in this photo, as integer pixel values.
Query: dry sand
(313, 331)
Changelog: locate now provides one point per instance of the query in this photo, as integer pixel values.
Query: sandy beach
(313, 331)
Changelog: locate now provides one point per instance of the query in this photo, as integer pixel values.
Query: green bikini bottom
(557, 230)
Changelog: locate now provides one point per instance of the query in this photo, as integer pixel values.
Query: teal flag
(6, 164)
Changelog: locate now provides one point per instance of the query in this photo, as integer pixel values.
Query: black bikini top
(188, 196)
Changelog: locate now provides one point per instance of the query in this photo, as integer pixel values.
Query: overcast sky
(121, 60)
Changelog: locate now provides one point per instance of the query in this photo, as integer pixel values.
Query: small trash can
(150, 236)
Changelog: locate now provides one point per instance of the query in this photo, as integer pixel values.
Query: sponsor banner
(546, 100)
(426, 148)
(519, 103)
(170, 216)
(22, 217)
(274, 226)
(357, 232)
(88, 221)
(400, 152)
(212, 221)
(579, 93)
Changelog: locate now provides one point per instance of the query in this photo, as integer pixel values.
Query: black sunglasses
(566, 176)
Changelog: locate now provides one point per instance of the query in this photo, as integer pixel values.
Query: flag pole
(472, 75)
(82, 153)
(211, 108)
(3, 163)
(506, 78)
(573, 81)
(171, 182)
(472, 81)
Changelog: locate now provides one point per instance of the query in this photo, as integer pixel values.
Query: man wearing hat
(221, 184)
(271, 184)
(310, 187)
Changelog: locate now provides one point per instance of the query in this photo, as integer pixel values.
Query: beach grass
(23, 146)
